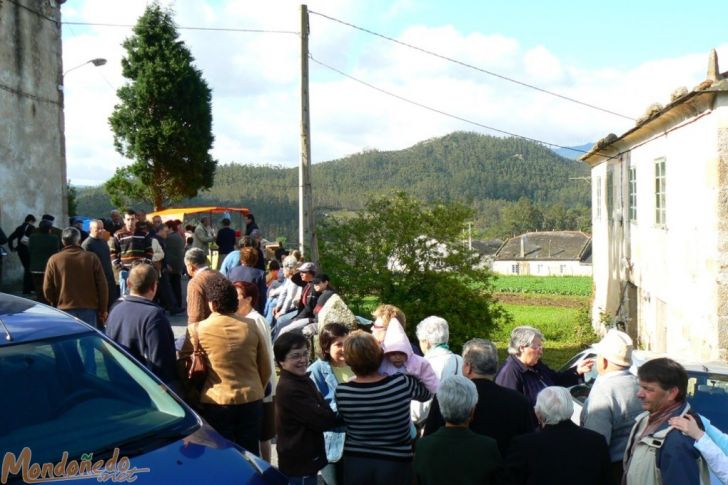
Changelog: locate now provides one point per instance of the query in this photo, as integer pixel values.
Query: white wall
(543, 268)
(674, 266)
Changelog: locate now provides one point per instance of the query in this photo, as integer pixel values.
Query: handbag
(196, 364)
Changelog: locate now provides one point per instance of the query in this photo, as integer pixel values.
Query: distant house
(660, 224)
(561, 253)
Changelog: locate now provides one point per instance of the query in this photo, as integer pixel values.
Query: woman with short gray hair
(454, 448)
(433, 334)
(523, 370)
(561, 452)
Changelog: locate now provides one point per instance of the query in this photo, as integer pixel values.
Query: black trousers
(240, 423)
(371, 471)
(175, 280)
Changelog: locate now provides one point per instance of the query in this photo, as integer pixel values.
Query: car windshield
(708, 395)
(82, 395)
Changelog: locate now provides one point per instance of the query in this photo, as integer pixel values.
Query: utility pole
(306, 222)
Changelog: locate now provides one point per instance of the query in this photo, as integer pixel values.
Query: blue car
(76, 405)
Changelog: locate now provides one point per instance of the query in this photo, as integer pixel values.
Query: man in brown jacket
(75, 281)
(200, 277)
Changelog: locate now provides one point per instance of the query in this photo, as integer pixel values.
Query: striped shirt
(126, 247)
(377, 416)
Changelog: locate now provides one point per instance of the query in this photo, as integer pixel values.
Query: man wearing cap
(54, 230)
(613, 404)
(305, 276)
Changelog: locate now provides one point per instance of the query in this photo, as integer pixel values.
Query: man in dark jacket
(561, 453)
(41, 245)
(140, 326)
(95, 243)
(500, 413)
(225, 241)
(21, 234)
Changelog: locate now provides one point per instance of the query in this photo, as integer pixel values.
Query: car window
(708, 395)
(81, 395)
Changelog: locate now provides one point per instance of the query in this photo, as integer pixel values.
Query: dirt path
(542, 300)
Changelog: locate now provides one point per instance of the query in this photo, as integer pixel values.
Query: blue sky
(618, 55)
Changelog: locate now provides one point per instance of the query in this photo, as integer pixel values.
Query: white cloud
(255, 84)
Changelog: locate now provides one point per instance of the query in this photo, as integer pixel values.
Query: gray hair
(482, 356)
(554, 405)
(70, 236)
(523, 337)
(433, 330)
(196, 257)
(457, 397)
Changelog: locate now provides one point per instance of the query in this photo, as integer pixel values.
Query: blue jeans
(87, 315)
(123, 275)
(283, 321)
(306, 480)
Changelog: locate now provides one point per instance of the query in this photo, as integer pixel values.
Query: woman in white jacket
(711, 443)
(433, 334)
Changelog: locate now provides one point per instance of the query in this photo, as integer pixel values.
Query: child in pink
(398, 357)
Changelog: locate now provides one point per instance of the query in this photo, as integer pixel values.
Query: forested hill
(486, 172)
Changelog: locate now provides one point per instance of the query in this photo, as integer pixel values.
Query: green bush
(401, 252)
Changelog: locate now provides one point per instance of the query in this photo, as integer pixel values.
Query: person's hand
(584, 366)
(688, 426)
(102, 316)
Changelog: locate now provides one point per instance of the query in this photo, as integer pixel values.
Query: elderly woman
(455, 450)
(376, 413)
(523, 370)
(561, 453)
(238, 368)
(433, 334)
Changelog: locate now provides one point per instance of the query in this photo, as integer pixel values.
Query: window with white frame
(660, 188)
(633, 194)
(514, 269)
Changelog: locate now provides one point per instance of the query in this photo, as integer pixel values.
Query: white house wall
(676, 267)
(543, 268)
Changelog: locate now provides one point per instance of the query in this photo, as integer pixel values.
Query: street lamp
(99, 61)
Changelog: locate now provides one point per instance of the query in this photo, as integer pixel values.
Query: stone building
(32, 153)
(660, 224)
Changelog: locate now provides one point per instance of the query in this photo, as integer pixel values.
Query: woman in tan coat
(238, 371)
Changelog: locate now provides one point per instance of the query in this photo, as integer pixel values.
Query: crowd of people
(373, 407)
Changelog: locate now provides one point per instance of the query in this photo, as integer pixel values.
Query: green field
(544, 285)
(556, 305)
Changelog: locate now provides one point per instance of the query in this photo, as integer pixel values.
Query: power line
(470, 66)
(216, 29)
(439, 111)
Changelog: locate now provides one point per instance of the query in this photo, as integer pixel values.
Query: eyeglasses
(297, 356)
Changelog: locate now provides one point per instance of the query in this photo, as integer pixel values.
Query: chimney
(713, 71)
(523, 247)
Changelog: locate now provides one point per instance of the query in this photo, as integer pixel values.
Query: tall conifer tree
(164, 120)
